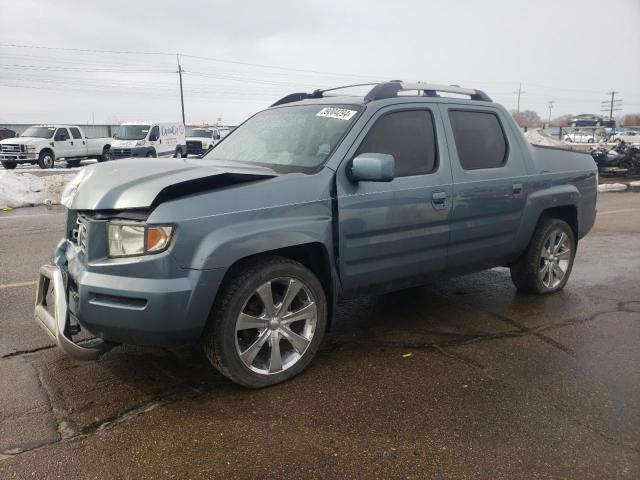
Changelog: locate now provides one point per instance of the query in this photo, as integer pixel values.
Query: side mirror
(372, 167)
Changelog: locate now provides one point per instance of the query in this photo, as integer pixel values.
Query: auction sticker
(339, 113)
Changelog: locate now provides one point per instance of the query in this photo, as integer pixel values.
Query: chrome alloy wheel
(276, 325)
(555, 258)
(47, 160)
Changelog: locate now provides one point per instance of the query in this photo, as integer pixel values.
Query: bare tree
(631, 120)
(527, 118)
(562, 121)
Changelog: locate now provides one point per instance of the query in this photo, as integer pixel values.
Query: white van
(149, 139)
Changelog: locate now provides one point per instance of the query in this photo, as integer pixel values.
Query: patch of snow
(538, 137)
(635, 184)
(612, 187)
(25, 190)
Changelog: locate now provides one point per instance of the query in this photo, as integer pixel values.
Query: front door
(63, 143)
(489, 187)
(392, 234)
(155, 141)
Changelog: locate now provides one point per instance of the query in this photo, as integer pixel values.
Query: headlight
(137, 238)
(140, 143)
(31, 148)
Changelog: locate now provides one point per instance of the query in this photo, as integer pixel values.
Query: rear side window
(409, 136)
(479, 139)
(75, 132)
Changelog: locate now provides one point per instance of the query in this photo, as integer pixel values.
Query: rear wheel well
(568, 213)
(314, 256)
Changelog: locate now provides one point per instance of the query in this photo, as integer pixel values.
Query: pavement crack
(145, 407)
(68, 431)
(458, 356)
(536, 332)
(26, 351)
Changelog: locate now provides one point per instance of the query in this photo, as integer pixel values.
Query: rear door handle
(517, 189)
(439, 200)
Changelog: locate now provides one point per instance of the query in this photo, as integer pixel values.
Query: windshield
(289, 138)
(131, 132)
(199, 132)
(39, 132)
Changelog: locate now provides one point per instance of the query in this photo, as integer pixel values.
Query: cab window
(407, 135)
(155, 133)
(62, 134)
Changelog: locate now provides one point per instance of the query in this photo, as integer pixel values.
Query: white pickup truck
(46, 144)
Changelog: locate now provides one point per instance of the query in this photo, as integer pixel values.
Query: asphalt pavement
(460, 379)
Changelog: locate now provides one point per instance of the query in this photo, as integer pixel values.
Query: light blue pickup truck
(322, 196)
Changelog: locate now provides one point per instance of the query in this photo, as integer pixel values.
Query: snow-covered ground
(18, 189)
(538, 137)
(612, 187)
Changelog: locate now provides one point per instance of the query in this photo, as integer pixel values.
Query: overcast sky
(571, 52)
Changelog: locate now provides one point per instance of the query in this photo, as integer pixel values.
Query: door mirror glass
(372, 167)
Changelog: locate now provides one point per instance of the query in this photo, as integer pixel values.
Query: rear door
(63, 143)
(392, 234)
(489, 186)
(79, 143)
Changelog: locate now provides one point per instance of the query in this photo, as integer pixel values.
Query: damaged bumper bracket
(57, 322)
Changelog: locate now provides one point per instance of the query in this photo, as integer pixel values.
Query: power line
(199, 57)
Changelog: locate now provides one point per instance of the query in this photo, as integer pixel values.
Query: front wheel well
(314, 256)
(567, 213)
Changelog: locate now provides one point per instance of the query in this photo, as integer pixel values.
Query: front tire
(46, 160)
(267, 323)
(9, 165)
(546, 265)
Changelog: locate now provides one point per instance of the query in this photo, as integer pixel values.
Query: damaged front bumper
(52, 313)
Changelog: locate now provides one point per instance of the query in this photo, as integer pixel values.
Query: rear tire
(250, 337)
(546, 265)
(105, 155)
(46, 160)
(9, 165)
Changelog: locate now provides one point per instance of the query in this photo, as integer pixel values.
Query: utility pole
(612, 105)
(551, 102)
(519, 92)
(181, 93)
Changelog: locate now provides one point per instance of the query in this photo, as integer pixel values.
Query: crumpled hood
(145, 182)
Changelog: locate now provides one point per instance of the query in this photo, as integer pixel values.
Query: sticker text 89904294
(334, 112)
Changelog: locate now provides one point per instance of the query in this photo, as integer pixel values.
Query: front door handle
(517, 189)
(71, 143)
(439, 200)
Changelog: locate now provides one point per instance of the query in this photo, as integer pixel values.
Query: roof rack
(391, 89)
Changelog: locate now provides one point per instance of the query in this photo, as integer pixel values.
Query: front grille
(120, 152)
(11, 148)
(194, 146)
